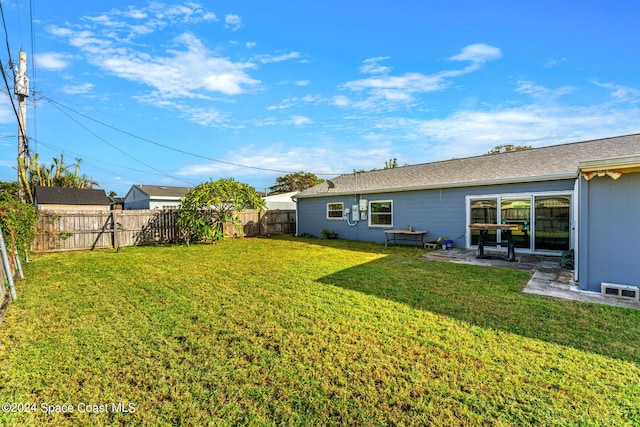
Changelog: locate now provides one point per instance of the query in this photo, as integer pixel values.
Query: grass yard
(290, 331)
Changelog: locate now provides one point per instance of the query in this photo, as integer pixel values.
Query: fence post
(16, 259)
(7, 267)
(114, 223)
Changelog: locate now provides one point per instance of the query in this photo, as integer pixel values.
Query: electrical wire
(13, 105)
(21, 129)
(6, 36)
(98, 163)
(33, 72)
(60, 106)
(118, 149)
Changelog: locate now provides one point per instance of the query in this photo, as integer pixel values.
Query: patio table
(414, 235)
(506, 228)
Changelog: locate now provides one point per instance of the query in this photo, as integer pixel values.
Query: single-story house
(583, 196)
(154, 197)
(70, 199)
(281, 201)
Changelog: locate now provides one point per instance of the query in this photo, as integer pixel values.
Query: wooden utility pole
(21, 89)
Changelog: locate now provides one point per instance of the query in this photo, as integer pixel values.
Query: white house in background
(281, 201)
(154, 197)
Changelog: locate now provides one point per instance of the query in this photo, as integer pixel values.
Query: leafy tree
(57, 174)
(8, 189)
(296, 181)
(207, 207)
(506, 148)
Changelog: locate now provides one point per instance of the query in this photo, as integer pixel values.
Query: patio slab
(548, 277)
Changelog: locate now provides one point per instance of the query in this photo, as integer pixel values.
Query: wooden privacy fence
(73, 230)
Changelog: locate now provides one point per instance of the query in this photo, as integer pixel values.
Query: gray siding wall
(441, 212)
(609, 230)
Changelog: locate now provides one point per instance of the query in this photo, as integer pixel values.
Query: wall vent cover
(620, 291)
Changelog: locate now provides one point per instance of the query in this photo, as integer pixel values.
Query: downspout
(295, 199)
(576, 227)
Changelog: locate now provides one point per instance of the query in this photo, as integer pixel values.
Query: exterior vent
(620, 291)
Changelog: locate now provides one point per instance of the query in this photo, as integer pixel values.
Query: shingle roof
(538, 164)
(162, 191)
(70, 196)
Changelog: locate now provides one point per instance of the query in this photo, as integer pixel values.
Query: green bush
(18, 221)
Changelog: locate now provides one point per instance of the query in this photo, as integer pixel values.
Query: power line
(6, 35)
(116, 148)
(33, 70)
(59, 106)
(53, 147)
(13, 105)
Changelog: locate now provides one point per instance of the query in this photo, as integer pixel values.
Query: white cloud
(233, 21)
(208, 116)
(192, 71)
(537, 91)
(530, 88)
(300, 120)
(372, 66)
(553, 62)
(268, 59)
(478, 53)
(134, 13)
(620, 92)
(385, 91)
(77, 89)
(302, 83)
(53, 61)
(472, 132)
(320, 157)
(186, 69)
(341, 101)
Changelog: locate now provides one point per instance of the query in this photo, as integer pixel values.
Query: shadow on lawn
(492, 297)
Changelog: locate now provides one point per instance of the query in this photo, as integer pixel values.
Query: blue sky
(175, 93)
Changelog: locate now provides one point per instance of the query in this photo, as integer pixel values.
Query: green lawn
(290, 331)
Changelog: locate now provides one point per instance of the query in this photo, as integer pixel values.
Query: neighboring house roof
(70, 196)
(281, 201)
(538, 164)
(162, 191)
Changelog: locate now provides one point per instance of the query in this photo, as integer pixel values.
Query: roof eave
(613, 167)
(438, 186)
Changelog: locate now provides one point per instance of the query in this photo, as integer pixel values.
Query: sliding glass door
(484, 211)
(517, 212)
(545, 220)
(552, 223)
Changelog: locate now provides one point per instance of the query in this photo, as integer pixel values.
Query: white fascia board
(556, 177)
(613, 162)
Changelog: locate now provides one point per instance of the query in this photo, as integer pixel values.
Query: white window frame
(335, 218)
(573, 238)
(372, 214)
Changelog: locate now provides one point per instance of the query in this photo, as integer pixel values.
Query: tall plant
(57, 174)
(18, 220)
(207, 207)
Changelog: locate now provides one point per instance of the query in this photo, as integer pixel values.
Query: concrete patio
(548, 278)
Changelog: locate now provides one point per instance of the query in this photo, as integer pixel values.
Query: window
(381, 213)
(334, 210)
